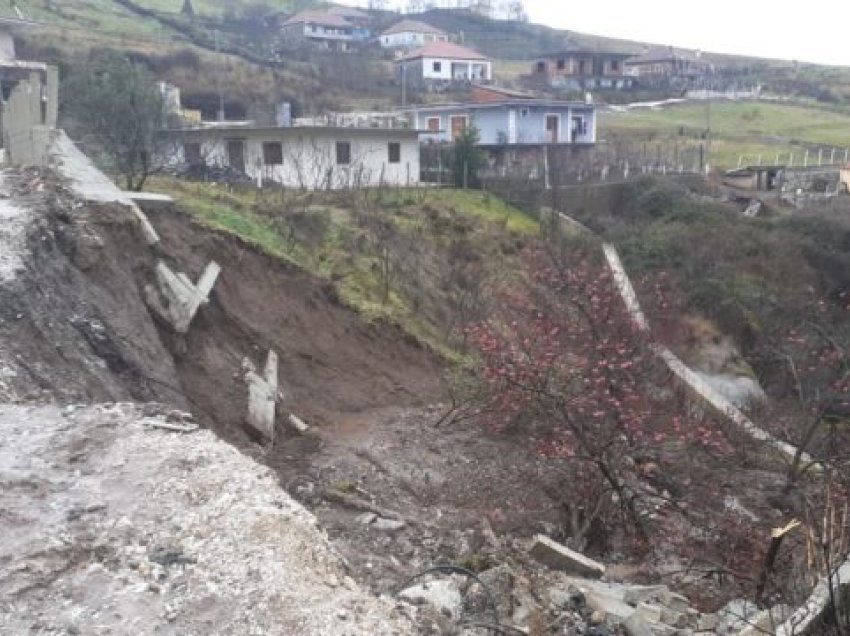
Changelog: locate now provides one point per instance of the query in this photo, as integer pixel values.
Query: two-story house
(443, 63)
(411, 34)
(323, 28)
(662, 65)
(584, 70)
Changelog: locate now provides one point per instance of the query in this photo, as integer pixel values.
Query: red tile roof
(412, 26)
(446, 50)
(319, 17)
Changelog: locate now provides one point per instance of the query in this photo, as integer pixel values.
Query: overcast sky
(812, 31)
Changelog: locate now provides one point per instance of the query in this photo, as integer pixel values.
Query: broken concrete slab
(298, 424)
(262, 397)
(559, 557)
(182, 298)
(149, 200)
(388, 525)
(636, 594)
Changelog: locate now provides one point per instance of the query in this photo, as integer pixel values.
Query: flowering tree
(565, 360)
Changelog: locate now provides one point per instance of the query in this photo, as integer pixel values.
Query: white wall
(7, 46)
(309, 156)
(445, 72)
(410, 39)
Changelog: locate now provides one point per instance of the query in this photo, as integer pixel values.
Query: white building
(306, 157)
(444, 62)
(411, 34)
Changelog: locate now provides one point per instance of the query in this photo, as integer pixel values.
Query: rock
(388, 525)
(636, 625)
(634, 595)
(735, 616)
(559, 557)
(366, 518)
(597, 618)
(707, 623)
(611, 607)
(443, 595)
(675, 602)
(651, 613)
(767, 621)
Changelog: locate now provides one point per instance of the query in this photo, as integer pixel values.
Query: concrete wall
(29, 116)
(7, 45)
(309, 156)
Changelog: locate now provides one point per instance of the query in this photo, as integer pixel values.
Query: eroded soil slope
(331, 361)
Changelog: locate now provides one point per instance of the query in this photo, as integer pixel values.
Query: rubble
(560, 557)
(113, 526)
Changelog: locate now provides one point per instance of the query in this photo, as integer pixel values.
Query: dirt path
(113, 525)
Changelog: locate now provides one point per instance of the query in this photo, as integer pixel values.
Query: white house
(411, 34)
(509, 122)
(444, 62)
(306, 157)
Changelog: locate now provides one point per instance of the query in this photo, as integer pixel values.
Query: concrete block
(182, 298)
(298, 424)
(262, 397)
(560, 557)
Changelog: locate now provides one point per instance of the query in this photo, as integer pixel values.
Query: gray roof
(413, 26)
(507, 103)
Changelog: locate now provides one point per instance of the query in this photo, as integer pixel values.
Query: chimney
(283, 115)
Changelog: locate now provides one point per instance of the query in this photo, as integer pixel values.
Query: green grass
(740, 128)
(341, 254)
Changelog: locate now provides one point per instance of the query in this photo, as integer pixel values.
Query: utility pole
(218, 78)
(404, 84)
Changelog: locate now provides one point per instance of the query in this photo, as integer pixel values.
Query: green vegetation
(751, 129)
(420, 258)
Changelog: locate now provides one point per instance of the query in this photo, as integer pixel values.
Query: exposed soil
(331, 361)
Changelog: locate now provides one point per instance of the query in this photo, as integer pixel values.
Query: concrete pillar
(182, 298)
(52, 96)
(262, 396)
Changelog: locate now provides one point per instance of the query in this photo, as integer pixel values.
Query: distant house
(411, 34)
(444, 63)
(323, 28)
(584, 70)
(510, 122)
(661, 63)
(355, 16)
(307, 157)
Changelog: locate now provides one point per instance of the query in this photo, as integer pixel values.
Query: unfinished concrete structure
(177, 299)
(262, 397)
(30, 100)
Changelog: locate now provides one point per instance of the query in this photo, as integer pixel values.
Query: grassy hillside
(736, 128)
(419, 258)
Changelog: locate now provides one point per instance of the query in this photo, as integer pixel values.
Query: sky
(814, 31)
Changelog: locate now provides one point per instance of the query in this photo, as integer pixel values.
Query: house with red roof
(444, 63)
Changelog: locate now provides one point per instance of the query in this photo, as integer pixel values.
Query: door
(553, 129)
(458, 127)
(236, 154)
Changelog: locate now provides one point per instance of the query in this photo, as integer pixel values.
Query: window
(562, 64)
(433, 124)
(458, 127)
(192, 154)
(541, 67)
(523, 112)
(615, 66)
(437, 67)
(272, 153)
(343, 153)
(394, 151)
